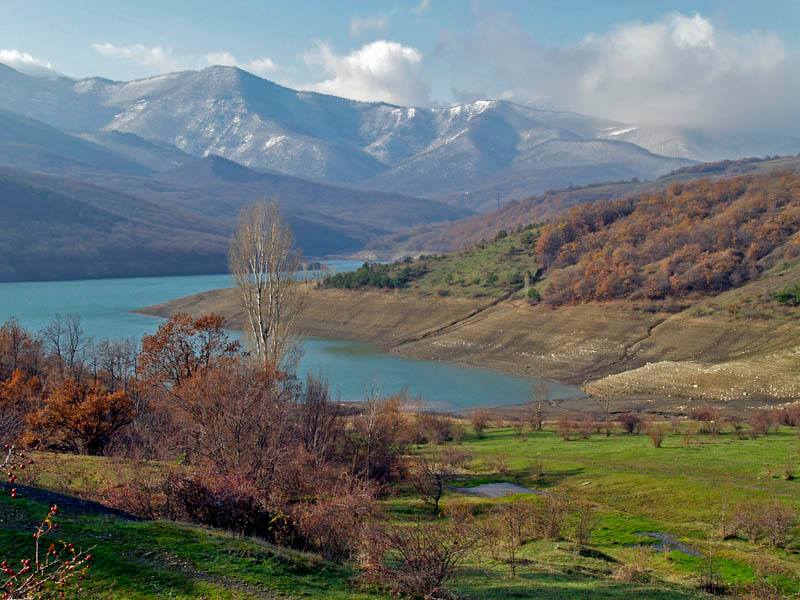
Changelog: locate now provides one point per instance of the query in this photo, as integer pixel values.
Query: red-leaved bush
(332, 522)
(224, 500)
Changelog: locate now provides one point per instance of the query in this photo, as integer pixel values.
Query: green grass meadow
(682, 489)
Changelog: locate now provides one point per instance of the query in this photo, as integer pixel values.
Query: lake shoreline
(614, 351)
(105, 309)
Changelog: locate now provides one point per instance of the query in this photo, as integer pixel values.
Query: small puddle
(496, 490)
(667, 543)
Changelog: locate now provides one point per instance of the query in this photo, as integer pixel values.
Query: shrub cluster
(770, 522)
(790, 296)
(262, 453)
(688, 240)
(376, 275)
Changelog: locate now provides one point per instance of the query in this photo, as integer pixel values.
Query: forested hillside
(685, 241)
(493, 270)
(54, 228)
(550, 205)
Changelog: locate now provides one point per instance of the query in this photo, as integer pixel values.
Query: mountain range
(113, 204)
(465, 153)
(204, 143)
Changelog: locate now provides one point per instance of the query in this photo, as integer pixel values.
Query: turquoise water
(352, 368)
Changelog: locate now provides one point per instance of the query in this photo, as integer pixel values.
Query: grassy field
(681, 489)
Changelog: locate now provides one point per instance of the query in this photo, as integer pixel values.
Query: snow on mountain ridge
(261, 124)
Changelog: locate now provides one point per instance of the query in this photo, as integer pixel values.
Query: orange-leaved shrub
(80, 418)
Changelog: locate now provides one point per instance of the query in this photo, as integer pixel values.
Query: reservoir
(352, 368)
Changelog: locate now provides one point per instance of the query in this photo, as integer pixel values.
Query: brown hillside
(548, 206)
(689, 240)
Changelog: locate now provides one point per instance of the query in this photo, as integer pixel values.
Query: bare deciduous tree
(237, 419)
(320, 418)
(540, 392)
(511, 528)
(480, 421)
(422, 558)
(264, 264)
(379, 436)
(435, 471)
(585, 521)
(66, 340)
(550, 519)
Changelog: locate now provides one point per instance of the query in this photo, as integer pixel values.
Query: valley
(430, 300)
(650, 327)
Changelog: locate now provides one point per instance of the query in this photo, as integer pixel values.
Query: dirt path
(455, 323)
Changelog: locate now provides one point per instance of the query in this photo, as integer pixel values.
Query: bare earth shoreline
(656, 360)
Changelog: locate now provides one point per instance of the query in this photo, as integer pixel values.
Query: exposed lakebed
(352, 368)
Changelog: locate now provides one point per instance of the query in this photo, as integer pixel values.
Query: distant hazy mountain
(699, 145)
(327, 219)
(549, 165)
(54, 228)
(219, 186)
(29, 144)
(438, 152)
(114, 204)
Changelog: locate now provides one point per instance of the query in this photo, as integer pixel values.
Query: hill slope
(536, 209)
(326, 219)
(29, 144)
(52, 228)
(715, 331)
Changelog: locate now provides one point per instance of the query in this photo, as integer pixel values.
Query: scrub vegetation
(187, 465)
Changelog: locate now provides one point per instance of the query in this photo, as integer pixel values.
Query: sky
(720, 64)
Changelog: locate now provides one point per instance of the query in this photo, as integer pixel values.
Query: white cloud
(259, 66)
(423, 7)
(691, 32)
(225, 59)
(162, 60)
(381, 70)
(358, 26)
(25, 63)
(156, 57)
(677, 70)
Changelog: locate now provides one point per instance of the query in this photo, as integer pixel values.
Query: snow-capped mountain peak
(229, 112)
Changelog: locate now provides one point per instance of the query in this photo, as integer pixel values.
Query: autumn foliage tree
(18, 395)
(184, 346)
(237, 418)
(19, 351)
(81, 417)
